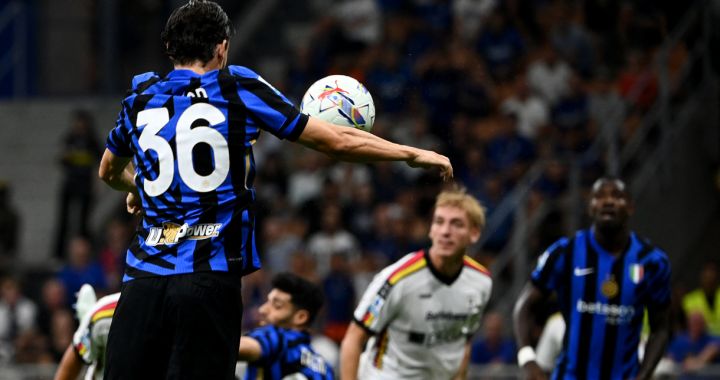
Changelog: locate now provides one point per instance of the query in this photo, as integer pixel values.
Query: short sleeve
(271, 342)
(379, 303)
(119, 140)
(83, 340)
(658, 286)
(548, 272)
(274, 112)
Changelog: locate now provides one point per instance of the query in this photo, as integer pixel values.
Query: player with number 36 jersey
(182, 151)
(191, 139)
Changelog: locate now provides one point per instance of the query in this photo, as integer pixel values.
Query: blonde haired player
(420, 312)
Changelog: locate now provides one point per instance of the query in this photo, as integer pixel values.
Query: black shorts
(176, 327)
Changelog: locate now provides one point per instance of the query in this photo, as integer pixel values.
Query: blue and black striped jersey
(602, 299)
(286, 354)
(190, 137)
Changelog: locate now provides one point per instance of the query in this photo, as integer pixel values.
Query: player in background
(604, 278)
(90, 338)
(189, 135)
(280, 348)
(422, 311)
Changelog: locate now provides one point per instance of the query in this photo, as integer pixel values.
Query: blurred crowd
(495, 85)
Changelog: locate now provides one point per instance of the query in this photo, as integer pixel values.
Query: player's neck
(447, 265)
(199, 67)
(613, 241)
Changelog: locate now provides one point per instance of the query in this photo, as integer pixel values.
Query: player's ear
(301, 317)
(475, 234)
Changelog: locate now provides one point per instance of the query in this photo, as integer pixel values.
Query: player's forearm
(70, 365)
(360, 146)
(117, 172)
(656, 344)
(350, 351)
(522, 319)
(654, 351)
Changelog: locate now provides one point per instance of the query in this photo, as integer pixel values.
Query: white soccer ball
(340, 100)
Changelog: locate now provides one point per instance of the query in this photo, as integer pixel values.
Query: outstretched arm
(350, 350)
(657, 341)
(522, 323)
(70, 365)
(350, 144)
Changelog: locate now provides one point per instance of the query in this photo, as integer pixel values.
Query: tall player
(189, 135)
(422, 310)
(604, 278)
(280, 348)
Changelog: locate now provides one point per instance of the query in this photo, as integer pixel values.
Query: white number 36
(185, 138)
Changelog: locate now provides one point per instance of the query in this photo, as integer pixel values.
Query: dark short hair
(303, 294)
(193, 30)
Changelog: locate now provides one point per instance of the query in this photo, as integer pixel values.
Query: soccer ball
(340, 100)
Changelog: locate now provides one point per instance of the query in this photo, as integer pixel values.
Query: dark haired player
(281, 347)
(605, 277)
(189, 135)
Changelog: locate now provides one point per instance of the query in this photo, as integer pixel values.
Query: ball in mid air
(340, 100)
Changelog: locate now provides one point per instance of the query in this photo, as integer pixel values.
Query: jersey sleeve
(83, 340)
(274, 112)
(548, 272)
(119, 140)
(271, 342)
(658, 286)
(379, 303)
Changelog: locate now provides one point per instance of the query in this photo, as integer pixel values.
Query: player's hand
(533, 371)
(133, 203)
(427, 159)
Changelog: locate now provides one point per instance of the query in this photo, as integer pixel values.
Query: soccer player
(189, 135)
(604, 278)
(90, 338)
(422, 310)
(281, 347)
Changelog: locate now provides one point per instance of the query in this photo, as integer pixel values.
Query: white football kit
(420, 319)
(90, 339)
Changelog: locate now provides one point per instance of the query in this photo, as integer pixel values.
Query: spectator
(112, 256)
(331, 239)
(638, 83)
(339, 292)
(501, 46)
(706, 298)
(282, 236)
(549, 75)
(9, 227)
(81, 269)
(531, 111)
(493, 347)
(54, 300)
(696, 348)
(80, 153)
(18, 314)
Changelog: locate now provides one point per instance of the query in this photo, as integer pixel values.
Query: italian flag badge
(636, 273)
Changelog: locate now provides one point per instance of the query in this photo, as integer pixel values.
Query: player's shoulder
(475, 268)
(405, 267)
(104, 307)
(242, 72)
(650, 252)
(142, 82)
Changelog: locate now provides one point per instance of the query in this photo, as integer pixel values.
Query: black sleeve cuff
(300, 125)
(362, 325)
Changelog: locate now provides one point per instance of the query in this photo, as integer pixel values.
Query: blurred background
(531, 99)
